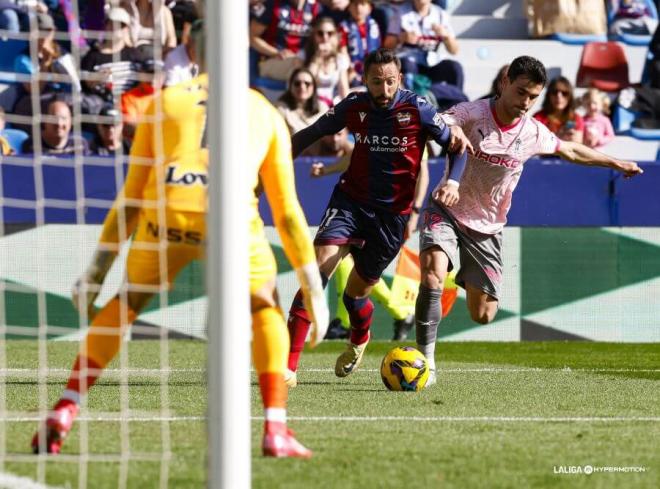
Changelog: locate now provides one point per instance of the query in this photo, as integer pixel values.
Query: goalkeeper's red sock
(84, 373)
(298, 325)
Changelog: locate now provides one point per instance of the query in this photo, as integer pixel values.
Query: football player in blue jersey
(370, 206)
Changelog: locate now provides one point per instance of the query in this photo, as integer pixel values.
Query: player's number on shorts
(329, 216)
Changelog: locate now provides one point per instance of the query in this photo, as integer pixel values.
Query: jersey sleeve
(139, 166)
(546, 141)
(333, 121)
(432, 122)
(458, 115)
(277, 176)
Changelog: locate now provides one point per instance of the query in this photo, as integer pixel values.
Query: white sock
(429, 353)
(71, 395)
(275, 414)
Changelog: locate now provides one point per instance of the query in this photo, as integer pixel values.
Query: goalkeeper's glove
(87, 287)
(314, 300)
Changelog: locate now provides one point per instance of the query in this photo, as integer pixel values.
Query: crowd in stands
(129, 50)
(126, 51)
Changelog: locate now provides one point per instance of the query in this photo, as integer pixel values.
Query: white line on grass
(9, 481)
(444, 419)
(26, 372)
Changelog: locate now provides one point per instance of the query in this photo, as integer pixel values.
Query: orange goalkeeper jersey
(168, 168)
(271, 164)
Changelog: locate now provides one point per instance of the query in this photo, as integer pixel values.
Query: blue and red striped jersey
(389, 144)
(288, 26)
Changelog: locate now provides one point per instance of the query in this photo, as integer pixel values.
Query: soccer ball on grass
(404, 368)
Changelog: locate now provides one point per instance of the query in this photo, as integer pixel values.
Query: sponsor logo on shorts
(175, 235)
(432, 220)
(493, 274)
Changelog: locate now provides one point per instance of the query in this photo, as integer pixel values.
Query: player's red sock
(298, 325)
(360, 311)
(90, 374)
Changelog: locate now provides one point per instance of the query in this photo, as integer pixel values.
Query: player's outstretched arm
(279, 185)
(583, 155)
(340, 166)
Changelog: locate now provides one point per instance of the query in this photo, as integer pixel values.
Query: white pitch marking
(444, 419)
(10, 481)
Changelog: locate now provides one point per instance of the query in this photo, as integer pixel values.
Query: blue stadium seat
(10, 49)
(577, 39)
(15, 138)
(634, 39)
(645, 134)
(622, 120)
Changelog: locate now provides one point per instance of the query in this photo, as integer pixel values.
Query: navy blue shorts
(375, 236)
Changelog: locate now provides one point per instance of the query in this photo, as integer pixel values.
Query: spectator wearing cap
(181, 63)
(103, 73)
(56, 138)
(52, 58)
(15, 14)
(147, 18)
(278, 32)
(109, 139)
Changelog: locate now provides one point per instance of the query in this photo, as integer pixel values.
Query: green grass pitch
(502, 415)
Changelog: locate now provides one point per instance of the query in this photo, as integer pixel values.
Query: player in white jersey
(503, 136)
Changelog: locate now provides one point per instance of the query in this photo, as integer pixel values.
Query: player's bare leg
(482, 307)
(360, 311)
(270, 346)
(101, 344)
(328, 258)
(434, 264)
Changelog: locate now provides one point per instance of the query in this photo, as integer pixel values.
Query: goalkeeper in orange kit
(163, 203)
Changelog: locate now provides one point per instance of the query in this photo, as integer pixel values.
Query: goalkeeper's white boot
(290, 378)
(280, 442)
(58, 424)
(350, 360)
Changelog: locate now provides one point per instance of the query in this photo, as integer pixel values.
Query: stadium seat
(15, 138)
(604, 66)
(579, 39)
(633, 39)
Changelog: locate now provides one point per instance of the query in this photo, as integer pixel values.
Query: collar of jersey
(502, 127)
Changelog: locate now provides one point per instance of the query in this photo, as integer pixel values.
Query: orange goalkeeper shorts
(160, 250)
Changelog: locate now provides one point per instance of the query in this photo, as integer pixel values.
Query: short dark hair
(529, 67)
(381, 56)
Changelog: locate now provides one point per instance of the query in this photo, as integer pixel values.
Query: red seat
(603, 66)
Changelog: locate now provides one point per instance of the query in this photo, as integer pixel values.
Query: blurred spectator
(558, 111)
(631, 17)
(109, 139)
(496, 86)
(598, 130)
(108, 66)
(278, 31)
(134, 102)
(23, 107)
(424, 36)
(14, 14)
(181, 64)
(151, 21)
(360, 35)
(184, 14)
(328, 65)
(299, 104)
(5, 147)
(56, 138)
(336, 145)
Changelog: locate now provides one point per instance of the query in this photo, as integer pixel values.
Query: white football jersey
(493, 170)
